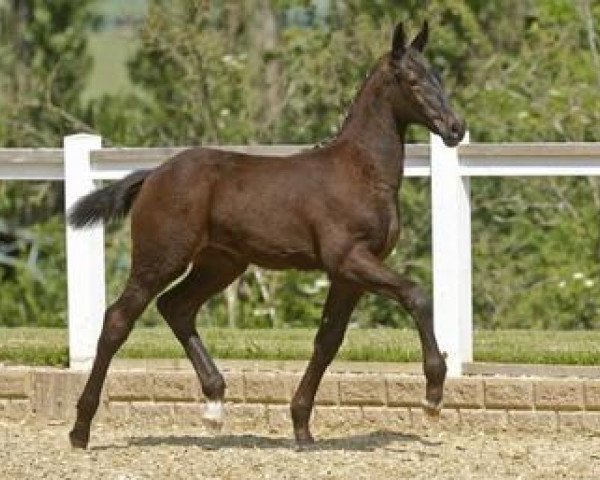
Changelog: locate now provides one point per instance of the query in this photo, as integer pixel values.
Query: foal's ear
(421, 39)
(398, 42)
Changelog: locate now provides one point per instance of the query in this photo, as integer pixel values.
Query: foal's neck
(372, 126)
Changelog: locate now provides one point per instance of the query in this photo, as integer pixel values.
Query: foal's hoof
(79, 439)
(305, 443)
(304, 440)
(212, 424)
(431, 409)
(213, 415)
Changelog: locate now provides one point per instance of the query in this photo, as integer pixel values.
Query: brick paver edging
(379, 398)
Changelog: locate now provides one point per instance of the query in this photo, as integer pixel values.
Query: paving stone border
(379, 398)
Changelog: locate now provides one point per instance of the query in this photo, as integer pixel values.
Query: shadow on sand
(363, 442)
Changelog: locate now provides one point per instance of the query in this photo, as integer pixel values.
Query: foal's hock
(333, 208)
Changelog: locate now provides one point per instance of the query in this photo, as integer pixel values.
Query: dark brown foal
(334, 208)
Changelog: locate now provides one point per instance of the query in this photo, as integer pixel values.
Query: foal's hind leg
(209, 275)
(341, 300)
(118, 322)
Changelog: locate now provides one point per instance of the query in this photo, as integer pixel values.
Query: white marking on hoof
(431, 409)
(213, 414)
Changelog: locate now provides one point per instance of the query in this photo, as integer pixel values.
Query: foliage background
(183, 72)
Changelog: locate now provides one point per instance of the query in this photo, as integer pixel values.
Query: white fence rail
(83, 161)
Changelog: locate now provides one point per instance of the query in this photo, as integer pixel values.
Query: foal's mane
(350, 111)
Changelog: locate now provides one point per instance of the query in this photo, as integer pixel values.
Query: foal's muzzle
(452, 130)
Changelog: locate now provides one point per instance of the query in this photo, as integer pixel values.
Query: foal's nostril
(455, 128)
(454, 131)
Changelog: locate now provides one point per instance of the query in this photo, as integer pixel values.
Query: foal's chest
(385, 227)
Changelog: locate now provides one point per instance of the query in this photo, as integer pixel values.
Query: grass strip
(45, 346)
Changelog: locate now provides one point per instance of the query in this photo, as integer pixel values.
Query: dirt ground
(133, 452)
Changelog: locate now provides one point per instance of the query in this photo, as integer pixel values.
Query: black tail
(109, 203)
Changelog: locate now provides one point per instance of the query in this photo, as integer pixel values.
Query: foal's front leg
(341, 300)
(364, 268)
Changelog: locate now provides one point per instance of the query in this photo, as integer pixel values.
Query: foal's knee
(418, 303)
(116, 329)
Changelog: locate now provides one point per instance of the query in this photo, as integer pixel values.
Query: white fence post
(451, 244)
(85, 257)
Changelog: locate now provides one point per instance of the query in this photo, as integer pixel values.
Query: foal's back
(270, 210)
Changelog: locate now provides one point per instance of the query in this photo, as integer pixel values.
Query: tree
(504, 73)
(282, 71)
(43, 66)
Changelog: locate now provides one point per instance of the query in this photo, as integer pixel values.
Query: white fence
(83, 161)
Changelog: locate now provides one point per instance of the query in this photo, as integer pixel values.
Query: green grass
(579, 347)
(39, 346)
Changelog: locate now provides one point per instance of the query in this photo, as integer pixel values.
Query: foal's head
(418, 95)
